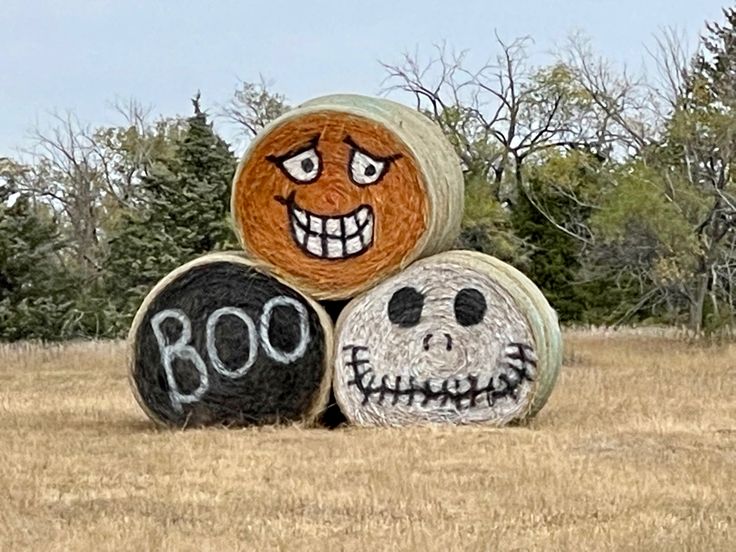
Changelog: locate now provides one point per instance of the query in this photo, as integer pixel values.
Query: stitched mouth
(330, 237)
(464, 393)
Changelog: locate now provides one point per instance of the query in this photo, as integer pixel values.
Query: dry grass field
(636, 450)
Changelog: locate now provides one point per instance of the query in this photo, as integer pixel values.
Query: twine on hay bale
(459, 337)
(346, 190)
(221, 341)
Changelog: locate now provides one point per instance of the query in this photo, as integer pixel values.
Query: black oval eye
(405, 307)
(470, 307)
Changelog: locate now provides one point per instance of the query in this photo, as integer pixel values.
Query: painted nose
(334, 198)
(329, 197)
(432, 340)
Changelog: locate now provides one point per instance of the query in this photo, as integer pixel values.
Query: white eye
(302, 167)
(365, 170)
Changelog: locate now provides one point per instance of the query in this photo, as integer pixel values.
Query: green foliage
(642, 204)
(614, 214)
(254, 106)
(563, 186)
(486, 224)
(181, 211)
(34, 291)
(553, 263)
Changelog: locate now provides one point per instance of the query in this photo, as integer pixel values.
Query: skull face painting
(334, 198)
(445, 341)
(221, 341)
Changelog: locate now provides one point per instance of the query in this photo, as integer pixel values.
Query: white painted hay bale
(459, 337)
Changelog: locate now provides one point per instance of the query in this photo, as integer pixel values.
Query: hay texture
(221, 341)
(346, 190)
(459, 337)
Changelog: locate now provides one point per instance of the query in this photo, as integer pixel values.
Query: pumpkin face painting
(330, 197)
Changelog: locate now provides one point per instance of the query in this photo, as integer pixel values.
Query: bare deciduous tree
(500, 115)
(253, 106)
(87, 174)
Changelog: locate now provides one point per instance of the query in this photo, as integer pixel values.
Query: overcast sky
(82, 54)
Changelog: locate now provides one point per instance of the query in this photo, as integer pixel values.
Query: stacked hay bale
(344, 191)
(220, 340)
(459, 337)
(346, 197)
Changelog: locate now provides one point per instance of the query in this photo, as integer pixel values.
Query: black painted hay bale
(222, 341)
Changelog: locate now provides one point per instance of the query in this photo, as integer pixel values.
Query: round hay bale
(221, 341)
(459, 337)
(346, 190)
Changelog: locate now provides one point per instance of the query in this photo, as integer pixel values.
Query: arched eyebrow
(386, 158)
(312, 144)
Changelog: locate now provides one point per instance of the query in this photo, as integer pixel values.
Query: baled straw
(418, 207)
(459, 337)
(257, 352)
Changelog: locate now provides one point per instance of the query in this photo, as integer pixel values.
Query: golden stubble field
(636, 450)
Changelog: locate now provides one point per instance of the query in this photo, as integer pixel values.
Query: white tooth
(299, 234)
(513, 377)
(332, 226)
(301, 216)
(462, 385)
(315, 224)
(314, 245)
(353, 245)
(334, 248)
(483, 381)
(515, 362)
(367, 233)
(351, 226)
(363, 214)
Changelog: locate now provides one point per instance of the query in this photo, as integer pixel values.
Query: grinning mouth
(519, 365)
(330, 237)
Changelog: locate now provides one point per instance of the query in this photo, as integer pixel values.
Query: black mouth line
(423, 391)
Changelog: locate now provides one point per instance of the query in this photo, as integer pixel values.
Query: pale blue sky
(82, 54)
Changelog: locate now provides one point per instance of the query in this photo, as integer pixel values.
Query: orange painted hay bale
(344, 191)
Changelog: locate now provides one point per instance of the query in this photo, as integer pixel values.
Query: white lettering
(183, 350)
(212, 346)
(265, 324)
(179, 349)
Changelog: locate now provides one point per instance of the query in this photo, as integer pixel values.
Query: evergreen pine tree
(181, 212)
(34, 290)
(559, 263)
(716, 63)
(553, 263)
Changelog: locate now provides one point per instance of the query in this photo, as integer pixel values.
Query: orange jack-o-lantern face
(331, 198)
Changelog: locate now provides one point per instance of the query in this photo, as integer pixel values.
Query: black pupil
(370, 170)
(470, 307)
(307, 165)
(405, 307)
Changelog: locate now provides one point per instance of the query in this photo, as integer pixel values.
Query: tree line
(612, 191)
